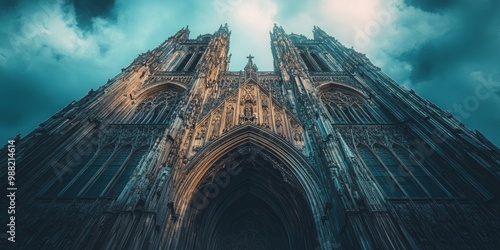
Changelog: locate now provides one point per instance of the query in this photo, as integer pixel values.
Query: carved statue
(265, 115)
(229, 117)
(279, 126)
(248, 114)
(216, 126)
(248, 110)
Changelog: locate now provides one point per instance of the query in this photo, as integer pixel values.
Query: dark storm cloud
(464, 56)
(7, 5)
(430, 5)
(473, 42)
(54, 51)
(86, 10)
(33, 91)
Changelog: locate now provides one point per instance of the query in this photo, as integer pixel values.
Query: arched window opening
(338, 114)
(109, 171)
(320, 63)
(192, 67)
(363, 115)
(398, 172)
(355, 113)
(156, 109)
(154, 115)
(347, 111)
(387, 184)
(345, 107)
(309, 65)
(184, 62)
(124, 176)
(89, 172)
(69, 174)
(419, 171)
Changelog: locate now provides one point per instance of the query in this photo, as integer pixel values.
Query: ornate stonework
(324, 152)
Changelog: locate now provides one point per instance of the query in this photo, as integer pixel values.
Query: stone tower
(324, 152)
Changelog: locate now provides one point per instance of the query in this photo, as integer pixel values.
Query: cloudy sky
(55, 51)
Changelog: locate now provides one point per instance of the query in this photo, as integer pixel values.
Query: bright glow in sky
(54, 51)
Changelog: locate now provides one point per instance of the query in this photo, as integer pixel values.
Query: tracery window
(347, 108)
(123, 177)
(380, 174)
(309, 66)
(195, 62)
(106, 175)
(319, 61)
(398, 171)
(108, 172)
(420, 172)
(156, 109)
(313, 61)
(87, 173)
(65, 174)
(186, 59)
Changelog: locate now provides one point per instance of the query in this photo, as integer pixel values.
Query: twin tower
(324, 152)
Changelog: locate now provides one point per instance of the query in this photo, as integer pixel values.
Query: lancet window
(105, 175)
(347, 108)
(156, 109)
(398, 173)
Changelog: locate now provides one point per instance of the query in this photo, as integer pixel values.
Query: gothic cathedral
(325, 152)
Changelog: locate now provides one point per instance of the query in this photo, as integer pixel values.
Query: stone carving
(297, 134)
(156, 108)
(229, 117)
(247, 103)
(136, 135)
(371, 134)
(280, 130)
(345, 107)
(292, 177)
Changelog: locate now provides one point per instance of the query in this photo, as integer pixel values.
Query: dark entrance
(250, 200)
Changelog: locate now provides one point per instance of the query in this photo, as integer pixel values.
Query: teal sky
(55, 51)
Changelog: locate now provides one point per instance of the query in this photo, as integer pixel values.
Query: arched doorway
(251, 202)
(248, 197)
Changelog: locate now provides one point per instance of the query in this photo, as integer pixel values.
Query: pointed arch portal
(248, 190)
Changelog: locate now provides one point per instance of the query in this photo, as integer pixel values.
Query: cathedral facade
(323, 152)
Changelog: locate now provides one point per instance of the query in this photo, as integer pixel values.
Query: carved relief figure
(200, 136)
(265, 116)
(248, 112)
(279, 126)
(265, 111)
(229, 117)
(216, 126)
(297, 134)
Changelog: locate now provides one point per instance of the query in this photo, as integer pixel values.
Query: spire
(223, 29)
(277, 30)
(182, 34)
(318, 33)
